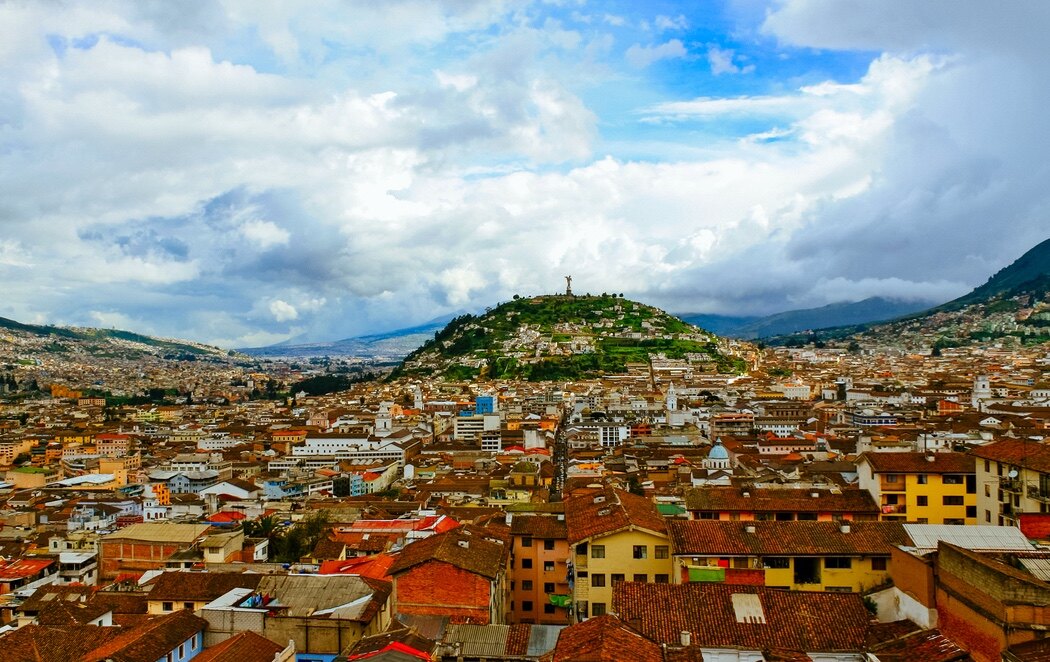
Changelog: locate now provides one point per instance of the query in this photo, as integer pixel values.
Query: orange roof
(375, 566)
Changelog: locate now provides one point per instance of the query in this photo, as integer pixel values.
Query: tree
(853, 347)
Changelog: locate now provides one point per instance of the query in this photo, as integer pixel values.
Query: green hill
(564, 338)
(112, 343)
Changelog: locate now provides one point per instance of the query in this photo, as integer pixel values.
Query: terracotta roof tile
(465, 547)
(704, 537)
(597, 512)
(244, 647)
(1023, 453)
(775, 499)
(917, 463)
(181, 586)
(715, 617)
(604, 639)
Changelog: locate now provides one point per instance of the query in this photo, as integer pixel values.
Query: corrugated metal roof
(159, 532)
(543, 639)
(1039, 567)
(977, 538)
(306, 594)
(479, 640)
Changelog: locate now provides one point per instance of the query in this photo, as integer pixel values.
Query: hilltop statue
(568, 286)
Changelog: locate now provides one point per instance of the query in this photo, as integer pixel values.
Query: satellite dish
(1013, 473)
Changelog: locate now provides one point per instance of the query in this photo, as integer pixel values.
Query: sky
(251, 172)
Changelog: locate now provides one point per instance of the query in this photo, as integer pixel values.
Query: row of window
(923, 500)
(637, 551)
(547, 544)
(526, 605)
(923, 479)
(548, 566)
(527, 585)
(598, 579)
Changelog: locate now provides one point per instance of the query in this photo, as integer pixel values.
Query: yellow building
(926, 488)
(613, 536)
(801, 556)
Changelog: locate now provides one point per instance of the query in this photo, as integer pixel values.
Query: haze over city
(249, 173)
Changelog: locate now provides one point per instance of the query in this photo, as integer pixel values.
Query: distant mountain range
(874, 309)
(1013, 304)
(391, 346)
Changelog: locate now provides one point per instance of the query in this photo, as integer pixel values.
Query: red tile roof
(790, 620)
(603, 511)
(604, 639)
(1023, 453)
(244, 647)
(150, 641)
(919, 463)
(711, 537)
(779, 499)
(467, 548)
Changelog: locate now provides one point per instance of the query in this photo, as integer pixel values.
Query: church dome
(718, 452)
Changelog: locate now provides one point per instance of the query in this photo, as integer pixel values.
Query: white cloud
(283, 311)
(721, 61)
(264, 234)
(679, 22)
(639, 56)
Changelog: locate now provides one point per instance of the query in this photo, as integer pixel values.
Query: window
(526, 605)
(187, 605)
(597, 608)
(641, 578)
(838, 562)
(892, 478)
(952, 500)
(878, 563)
(988, 516)
(662, 579)
(617, 577)
(971, 511)
(921, 479)
(548, 608)
(597, 551)
(922, 501)
(526, 563)
(548, 566)
(987, 466)
(548, 587)
(526, 542)
(780, 562)
(548, 545)
(182, 650)
(641, 552)
(952, 479)
(662, 551)
(526, 584)
(597, 580)
(167, 606)
(808, 517)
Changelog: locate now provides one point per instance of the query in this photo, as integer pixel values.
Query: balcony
(1011, 485)
(581, 562)
(893, 509)
(897, 486)
(1038, 493)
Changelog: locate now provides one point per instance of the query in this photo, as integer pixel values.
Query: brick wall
(438, 588)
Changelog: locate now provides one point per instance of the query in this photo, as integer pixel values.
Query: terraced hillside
(565, 338)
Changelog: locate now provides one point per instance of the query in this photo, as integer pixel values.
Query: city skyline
(245, 174)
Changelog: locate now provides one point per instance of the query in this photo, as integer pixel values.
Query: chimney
(930, 458)
(814, 494)
(465, 544)
(747, 494)
(750, 528)
(844, 527)
(686, 637)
